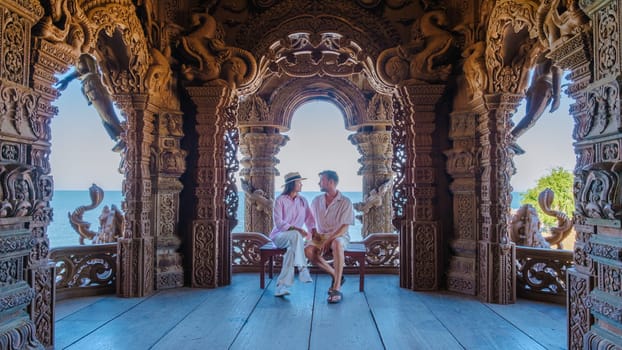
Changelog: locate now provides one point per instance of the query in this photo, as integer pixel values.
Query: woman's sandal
(343, 280)
(334, 296)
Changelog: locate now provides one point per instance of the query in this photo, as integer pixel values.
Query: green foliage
(560, 182)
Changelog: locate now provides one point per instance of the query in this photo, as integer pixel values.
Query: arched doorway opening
(267, 124)
(543, 150)
(99, 165)
(319, 141)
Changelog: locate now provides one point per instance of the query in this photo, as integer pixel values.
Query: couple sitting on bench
(327, 220)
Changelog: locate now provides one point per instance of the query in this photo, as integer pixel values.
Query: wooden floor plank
(243, 316)
(70, 306)
(216, 322)
(403, 320)
(546, 323)
(87, 320)
(279, 322)
(146, 322)
(474, 325)
(346, 325)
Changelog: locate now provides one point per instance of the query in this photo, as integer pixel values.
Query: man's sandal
(334, 296)
(343, 281)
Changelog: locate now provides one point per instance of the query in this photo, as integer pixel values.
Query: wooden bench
(268, 251)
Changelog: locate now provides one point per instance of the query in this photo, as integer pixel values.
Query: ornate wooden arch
(291, 95)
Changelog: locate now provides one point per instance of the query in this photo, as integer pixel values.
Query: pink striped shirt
(290, 212)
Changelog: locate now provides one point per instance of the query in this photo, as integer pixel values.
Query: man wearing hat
(291, 212)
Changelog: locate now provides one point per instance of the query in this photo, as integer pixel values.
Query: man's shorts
(344, 240)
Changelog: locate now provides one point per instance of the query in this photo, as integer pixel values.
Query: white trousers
(294, 242)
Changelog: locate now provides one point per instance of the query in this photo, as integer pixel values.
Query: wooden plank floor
(243, 316)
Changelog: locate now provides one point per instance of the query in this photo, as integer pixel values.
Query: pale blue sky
(81, 149)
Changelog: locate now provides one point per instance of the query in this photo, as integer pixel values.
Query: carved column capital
(375, 148)
(259, 150)
(210, 99)
(422, 99)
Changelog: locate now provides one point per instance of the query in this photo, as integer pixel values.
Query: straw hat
(289, 177)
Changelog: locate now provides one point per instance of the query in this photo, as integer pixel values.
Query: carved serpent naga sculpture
(525, 225)
(564, 223)
(77, 223)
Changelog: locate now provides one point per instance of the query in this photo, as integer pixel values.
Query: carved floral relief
(253, 111)
(600, 193)
(607, 36)
(610, 151)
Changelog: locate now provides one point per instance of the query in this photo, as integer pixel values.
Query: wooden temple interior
(426, 87)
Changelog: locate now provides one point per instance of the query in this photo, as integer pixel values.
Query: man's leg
(338, 262)
(313, 254)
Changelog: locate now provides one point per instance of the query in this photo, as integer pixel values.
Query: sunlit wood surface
(243, 316)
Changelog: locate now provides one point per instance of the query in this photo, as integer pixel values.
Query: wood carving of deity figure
(544, 89)
(97, 95)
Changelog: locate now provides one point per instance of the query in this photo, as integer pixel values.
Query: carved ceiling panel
(291, 16)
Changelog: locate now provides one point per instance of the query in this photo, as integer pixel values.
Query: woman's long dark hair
(289, 188)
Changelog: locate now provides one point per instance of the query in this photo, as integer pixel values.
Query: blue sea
(64, 202)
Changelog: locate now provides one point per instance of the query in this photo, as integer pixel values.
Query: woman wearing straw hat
(290, 212)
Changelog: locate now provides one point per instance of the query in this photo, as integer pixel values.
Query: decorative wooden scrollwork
(541, 273)
(84, 270)
(382, 250)
(245, 252)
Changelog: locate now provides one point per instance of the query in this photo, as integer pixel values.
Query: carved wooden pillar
(47, 61)
(417, 220)
(374, 144)
(136, 247)
(209, 241)
(259, 146)
(571, 55)
(26, 276)
(462, 166)
(169, 165)
(594, 284)
(496, 253)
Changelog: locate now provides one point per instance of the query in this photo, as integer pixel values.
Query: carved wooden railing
(245, 250)
(541, 273)
(382, 253)
(85, 270)
(91, 270)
